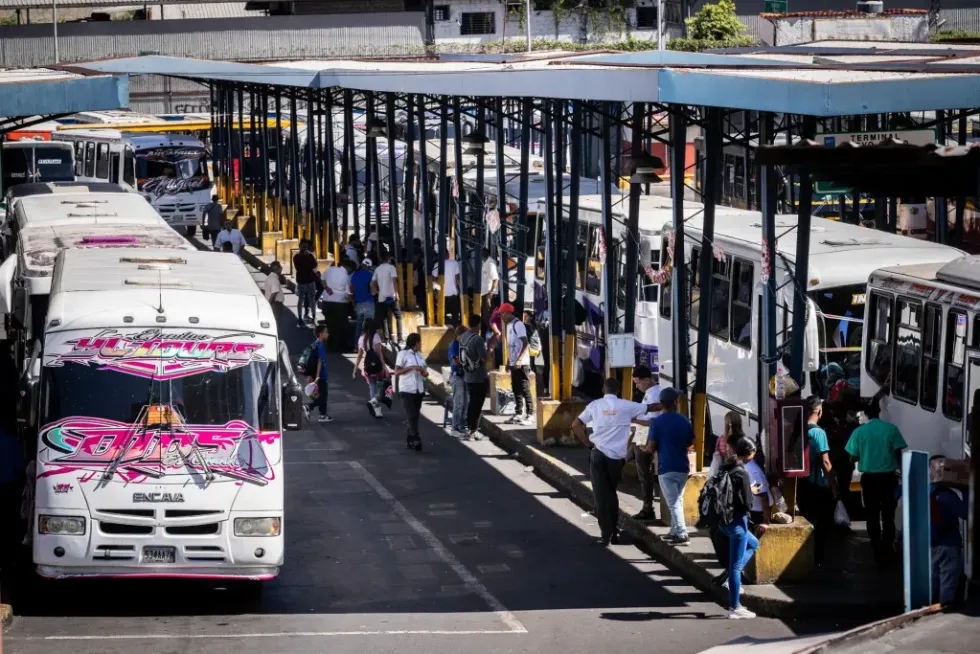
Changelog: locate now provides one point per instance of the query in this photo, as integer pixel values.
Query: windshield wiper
(110, 472)
(196, 450)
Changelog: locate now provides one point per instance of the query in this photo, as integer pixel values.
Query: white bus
(46, 188)
(156, 397)
(24, 162)
(169, 170)
(923, 330)
(101, 155)
(842, 257)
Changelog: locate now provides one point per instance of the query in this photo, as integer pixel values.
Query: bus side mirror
(811, 339)
(292, 392)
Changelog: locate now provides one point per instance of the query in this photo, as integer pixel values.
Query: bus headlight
(58, 525)
(257, 526)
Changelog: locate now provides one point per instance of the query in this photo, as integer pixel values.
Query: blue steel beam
(65, 95)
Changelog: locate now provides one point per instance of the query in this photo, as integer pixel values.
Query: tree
(714, 26)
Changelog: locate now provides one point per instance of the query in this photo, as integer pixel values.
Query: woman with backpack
(374, 370)
(411, 370)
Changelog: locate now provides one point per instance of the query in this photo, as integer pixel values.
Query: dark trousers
(381, 312)
(605, 474)
(335, 314)
(645, 473)
(277, 311)
(214, 236)
(520, 383)
(485, 311)
(477, 393)
(453, 310)
(878, 491)
(412, 402)
(321, 397)
(817, 506)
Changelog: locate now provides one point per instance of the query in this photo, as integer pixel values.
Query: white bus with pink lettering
(156, 396)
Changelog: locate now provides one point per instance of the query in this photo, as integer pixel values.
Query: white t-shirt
(272, 288)
(385, 276)
(515, 332)
(351, 252)
(337, 280)
(610, 418)
(650, 397)
(488, 276)
(757, 476)
(362, 344)
(451, 268)
(410, 382)
(234, 237)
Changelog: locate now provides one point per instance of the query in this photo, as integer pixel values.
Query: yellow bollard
(700, 425)
(430, 302)
(568, 361)
(555, 384)
(441, 303)
(409, 289)
(464, 307)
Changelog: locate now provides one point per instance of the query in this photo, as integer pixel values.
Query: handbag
(841, 519)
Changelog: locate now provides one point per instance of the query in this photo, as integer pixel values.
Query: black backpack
(716, 503)
(308, 359)
(372, 362)
(471, 361)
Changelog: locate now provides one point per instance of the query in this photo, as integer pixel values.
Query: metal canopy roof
(836, 89)
(44, 92)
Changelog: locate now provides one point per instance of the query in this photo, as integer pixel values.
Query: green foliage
(700, 45)
(8, 18)
(518, 45)
(717, 22)
(958, 36)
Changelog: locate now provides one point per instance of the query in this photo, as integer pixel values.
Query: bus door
(970, 402)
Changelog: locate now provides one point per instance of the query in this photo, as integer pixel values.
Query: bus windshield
(40, 163)
(840, 316)
(172, 170)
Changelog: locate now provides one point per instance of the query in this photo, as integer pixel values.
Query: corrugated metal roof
(67, 4)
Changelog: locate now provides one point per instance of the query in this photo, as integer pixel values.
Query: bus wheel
(191, 230)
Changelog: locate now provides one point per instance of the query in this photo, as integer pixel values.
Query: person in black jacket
(742, 542)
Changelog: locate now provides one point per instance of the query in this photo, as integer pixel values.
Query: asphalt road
(456, 549)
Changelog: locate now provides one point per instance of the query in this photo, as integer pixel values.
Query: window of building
(908, 350)
(477, 23)
(694, 288)
(90, 159)
(742, 304)
(102, 161)
(879, 361)
(666, 287)
(931, 344)
(721, 294)
(646, 18)
(440, 13)
(956, 327)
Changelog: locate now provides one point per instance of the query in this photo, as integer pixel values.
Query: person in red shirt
(305, 267)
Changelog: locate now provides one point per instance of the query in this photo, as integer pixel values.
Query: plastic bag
(505, 403)
(841, 519)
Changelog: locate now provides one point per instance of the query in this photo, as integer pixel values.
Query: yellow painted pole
(464, 307)
(409, 288)
(555, 384)
(441, 313)
(700, 424)
(568, 360)
(430, 301)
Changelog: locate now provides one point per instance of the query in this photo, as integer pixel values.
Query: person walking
(723, 447)
(411, 370)
(385, 287)
(473, 358)
(353, 248)
(229, 235)
(452, 282)
(457, 383)
(321, 372)
(336, 302)
(305, 269)
(519, 365)
(644, 382)
(369, 353)
(948, 508)
(214, 218)
(818, 493)
(360, 293)
(876, 447)
(489, 279)
(742, 543)
(671, 434)
(272, 290)
(610, 418)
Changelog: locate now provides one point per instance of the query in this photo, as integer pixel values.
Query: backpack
(307, 360)
(534, 343)
(471, 361)
(716, 503)
(372, 362)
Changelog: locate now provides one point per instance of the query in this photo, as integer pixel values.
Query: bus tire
(191, 230)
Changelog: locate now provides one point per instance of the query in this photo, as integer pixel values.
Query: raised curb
(872, 631)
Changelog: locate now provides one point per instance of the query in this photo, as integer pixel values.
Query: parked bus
(922, 336)
(45, 188)
(101, 156)
(156, 397)
(35, 161)
(842, 257)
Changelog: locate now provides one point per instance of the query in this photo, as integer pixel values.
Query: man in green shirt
(818, 493)
(877, 447)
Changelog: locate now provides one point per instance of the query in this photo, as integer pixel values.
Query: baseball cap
(506, 307)
(366, 262)
(669, 394)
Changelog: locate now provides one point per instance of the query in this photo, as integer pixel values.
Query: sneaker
(740, 613)
(476, 436)
(674, 539)
(527, 421)
(458, 433)
(514, 420)
(646, 514)
(324, 419)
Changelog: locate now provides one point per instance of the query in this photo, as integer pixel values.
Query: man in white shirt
(610, 418)
(489, 278)
(519, 365)
(272, 290)
(384, 284)
(452, 282)
(645, 471)
(230, 235)
(336, 304)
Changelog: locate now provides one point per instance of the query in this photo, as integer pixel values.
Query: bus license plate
(159, 554)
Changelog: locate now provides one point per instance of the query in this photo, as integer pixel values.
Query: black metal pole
(551, 251)
(408, 182)
(522, 228)
(678, 141)
(392, 177)
(961, 201)
(350, 147)
(330, 164)
(571, 233)
(609, 308)
(769, 355)
(241, 143)
(370, 182)
(633, 219)
(941, 213)
(426, 196)
(713, 156)
(502, 203)
(280, 161)
(464, 231)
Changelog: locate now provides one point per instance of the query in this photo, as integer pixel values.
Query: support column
(426, 197)
(551, 252)
(280, 167)
(409, 186)
(633, 236)
(679, 300)
(942, 215)
(263, 223)
(522, 227)
(442, 250)
(371, 187)
(571, 247)
(331, 194)
(770, 353)
(801, 273)
(463, 226)
(961, 201)
(350, 149)
(504, 283)
(312, 195)
(393, 183)
(609, 264)
(294, 177)
(480, 210)
(240, 132)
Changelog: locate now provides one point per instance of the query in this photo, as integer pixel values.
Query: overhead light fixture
(474, 143)
(375, 128)
(644, 169)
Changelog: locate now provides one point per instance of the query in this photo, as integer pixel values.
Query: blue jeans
(742, 545)
(362, 312)
(306, 300)
(947, 567)
(460, 401)
(672, 486)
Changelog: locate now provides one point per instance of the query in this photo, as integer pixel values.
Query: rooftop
(85, 208)
(45, 92)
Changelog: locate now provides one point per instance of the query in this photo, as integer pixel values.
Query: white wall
(803, 29)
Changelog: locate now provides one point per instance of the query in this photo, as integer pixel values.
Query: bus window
(694, 284)
(593, 273)
(102, 161)
(879, 362)
(955, 360)
(721, 293)
(79, 158)
(581, 256)
(114, 167)
(741, 321)
(908, 351)
(90, 159)
(931, 344)
(622, 276)
(666, 287)
(129, 167)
